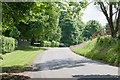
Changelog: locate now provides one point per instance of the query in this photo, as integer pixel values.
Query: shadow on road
(60, 63)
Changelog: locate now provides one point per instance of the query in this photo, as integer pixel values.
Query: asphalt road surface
(63, 63)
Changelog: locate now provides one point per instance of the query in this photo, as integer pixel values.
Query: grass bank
(21, 57)
(105, 49)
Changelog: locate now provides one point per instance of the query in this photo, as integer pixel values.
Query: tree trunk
(117, 28)
(113, 29)
(113, 34)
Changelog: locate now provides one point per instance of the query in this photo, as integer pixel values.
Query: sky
(93, 13)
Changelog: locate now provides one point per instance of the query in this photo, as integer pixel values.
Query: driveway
(63, 63)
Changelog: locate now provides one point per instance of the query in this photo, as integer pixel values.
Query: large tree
(70, 22)
(12, 14)
(111, 9)
(43, 22)
(31, 21)
(70, 31)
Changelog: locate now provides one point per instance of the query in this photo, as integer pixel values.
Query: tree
(81, 25)
(12, 14)
(37, 21)
(91, 27)
(70, 32)
(45, 24)
(107, 8)
(70, 22)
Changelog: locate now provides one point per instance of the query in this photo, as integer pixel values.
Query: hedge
(46, 44)
(8, 44)
(50, 44)
(55, 44)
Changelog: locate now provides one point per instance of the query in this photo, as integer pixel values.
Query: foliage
(44, 25)
(104, 48)
(13, 13)
(71, 29)
(46, 43)
(12, 10)
(55, 44)
(70, 22)
(14, 33)
(37, 21)
(50, 44)
(70, 33)
(91, 27)
(8, 44)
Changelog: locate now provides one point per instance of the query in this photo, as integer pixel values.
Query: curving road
(63, 63)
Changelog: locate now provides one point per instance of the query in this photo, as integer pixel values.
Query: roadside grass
(86, 48)
(21, 57)
(104, 49)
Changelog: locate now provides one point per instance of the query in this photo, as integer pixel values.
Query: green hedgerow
(8, 44)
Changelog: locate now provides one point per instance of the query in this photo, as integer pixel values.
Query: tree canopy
(40, 21)
(31, 21)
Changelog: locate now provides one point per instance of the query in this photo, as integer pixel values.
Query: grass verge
(105, 49)
(21, 57)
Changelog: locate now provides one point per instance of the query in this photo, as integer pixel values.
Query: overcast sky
(93, 13)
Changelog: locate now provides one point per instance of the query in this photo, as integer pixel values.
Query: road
(63, 63)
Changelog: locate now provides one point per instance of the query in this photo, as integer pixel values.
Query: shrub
(105, 41)
(55, 44)
(50, 44)
(8, 44)
(46, 44)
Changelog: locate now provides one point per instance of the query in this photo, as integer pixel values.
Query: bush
(46, 44)
(8, 44)
(50, 44)
(106, 41)
(55, 44)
